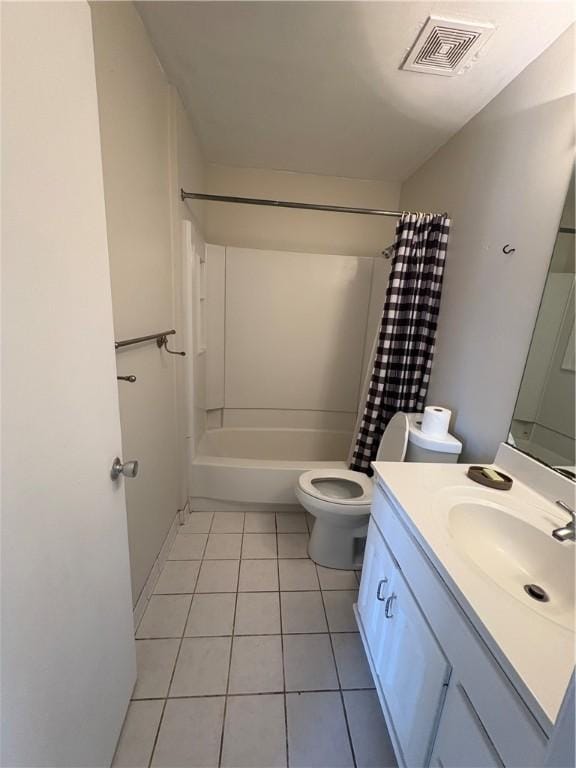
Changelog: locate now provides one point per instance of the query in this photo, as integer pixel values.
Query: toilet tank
(445, 449)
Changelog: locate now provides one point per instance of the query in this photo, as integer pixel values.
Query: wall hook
(508, 249)
(162, 341)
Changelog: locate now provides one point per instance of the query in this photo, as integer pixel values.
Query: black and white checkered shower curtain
(406, 338)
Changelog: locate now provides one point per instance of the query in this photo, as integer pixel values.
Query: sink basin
(514, 554)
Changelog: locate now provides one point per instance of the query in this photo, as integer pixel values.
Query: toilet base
(334, 547)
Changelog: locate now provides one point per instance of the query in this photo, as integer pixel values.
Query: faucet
(567, 532)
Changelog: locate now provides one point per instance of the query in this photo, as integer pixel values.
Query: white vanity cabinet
(446, 701)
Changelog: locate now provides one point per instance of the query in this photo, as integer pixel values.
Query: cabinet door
(413, 673)
(462, 741)
(377, 572)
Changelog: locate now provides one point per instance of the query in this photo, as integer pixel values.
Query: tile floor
(249, 656)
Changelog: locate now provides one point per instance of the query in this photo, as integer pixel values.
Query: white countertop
(536, 654)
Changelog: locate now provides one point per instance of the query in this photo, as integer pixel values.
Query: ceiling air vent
(445, 46)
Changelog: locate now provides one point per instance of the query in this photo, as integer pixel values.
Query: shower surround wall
(148, 151)
(301, 293)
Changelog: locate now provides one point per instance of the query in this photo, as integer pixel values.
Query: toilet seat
(342, 487)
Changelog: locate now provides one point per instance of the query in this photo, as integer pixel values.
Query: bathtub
(257, 469)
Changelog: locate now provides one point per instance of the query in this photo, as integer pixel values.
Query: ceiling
(315, 87)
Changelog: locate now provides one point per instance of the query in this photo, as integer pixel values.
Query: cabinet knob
(379, 595)
(388, 607)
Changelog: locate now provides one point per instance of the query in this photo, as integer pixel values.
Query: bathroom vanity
(469, 668)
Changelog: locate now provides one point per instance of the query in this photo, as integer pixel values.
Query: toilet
(339, 499)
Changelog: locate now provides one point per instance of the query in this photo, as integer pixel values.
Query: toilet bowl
(340, 499)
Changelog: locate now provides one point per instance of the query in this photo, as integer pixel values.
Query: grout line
(157, 733)
(252, 634)
(228, 676)
(250, 693)
(338, 678)
(173, 668)
(284, 700)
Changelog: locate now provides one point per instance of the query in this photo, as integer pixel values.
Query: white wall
(148, 151)
(284, 229)
(503, 179)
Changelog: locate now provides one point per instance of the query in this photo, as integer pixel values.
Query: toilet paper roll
(436, 420)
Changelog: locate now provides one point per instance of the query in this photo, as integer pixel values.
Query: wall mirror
(543, 421)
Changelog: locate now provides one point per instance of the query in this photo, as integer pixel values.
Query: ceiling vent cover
(445, 46)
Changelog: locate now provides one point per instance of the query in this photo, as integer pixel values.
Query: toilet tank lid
(443, 444)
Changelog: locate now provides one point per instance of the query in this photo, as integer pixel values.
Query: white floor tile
(260, 522)
(190, 734)
(211, 615)
(256, 665)
(198, 522)
(370, 739)
(259, 545)
(138, 734)
(228, 522)
(351, 661)
(202, 667)
(218, 576)
(165, 616)
(254, 732)
(177, 577)
(308, 663)
(223, 546)
(156, 660)
(258, 576)
(291, 522)
(252, 668)
(339, 610)
(292, 545)
(297, 575)
(302, 612)
(330, 578)
(257, 613)
(317, 735)
(188, 546)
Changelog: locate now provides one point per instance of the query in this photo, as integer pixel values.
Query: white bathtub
(255, 469)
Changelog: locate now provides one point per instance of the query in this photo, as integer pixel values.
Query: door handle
(379, 588)
(388, 607)
(129, 469)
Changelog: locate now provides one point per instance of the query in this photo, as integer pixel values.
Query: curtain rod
(285, 204)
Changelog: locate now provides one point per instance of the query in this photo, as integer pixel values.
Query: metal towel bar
(158, 336)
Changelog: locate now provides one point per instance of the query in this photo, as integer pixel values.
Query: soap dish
(477, 474)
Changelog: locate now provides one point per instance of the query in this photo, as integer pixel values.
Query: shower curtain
(405, 342)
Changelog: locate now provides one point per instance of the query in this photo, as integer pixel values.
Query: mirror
(543, 421)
